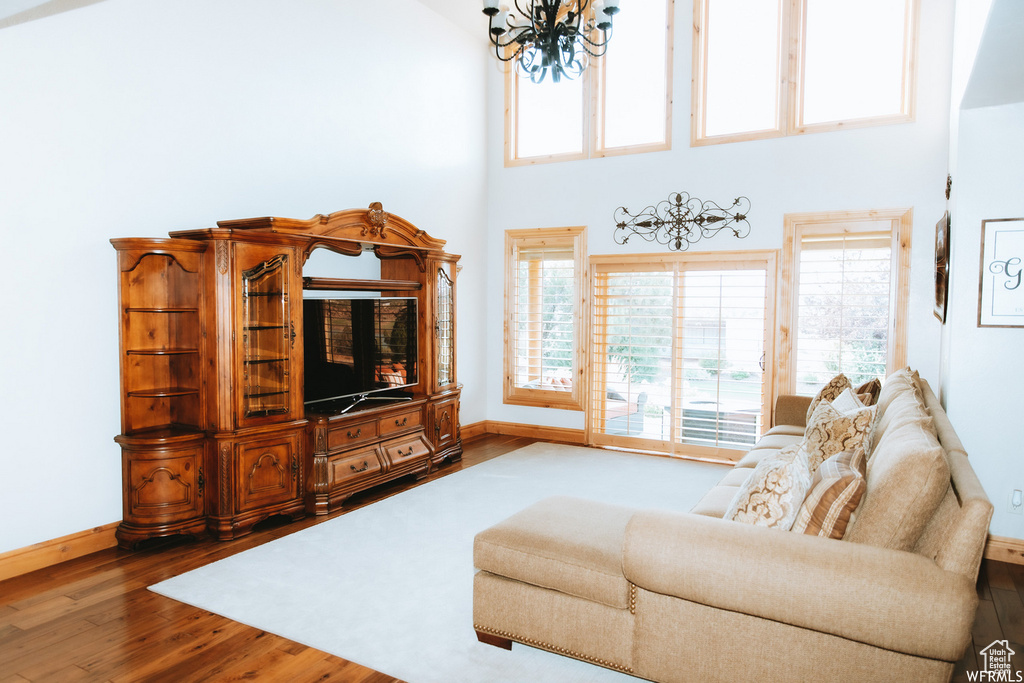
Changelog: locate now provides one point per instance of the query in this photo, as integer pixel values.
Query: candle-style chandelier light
(556, 35)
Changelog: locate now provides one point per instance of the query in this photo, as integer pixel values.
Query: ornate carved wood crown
(345, 231)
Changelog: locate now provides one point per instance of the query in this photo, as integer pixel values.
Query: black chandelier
(556, 35)
(681, 220)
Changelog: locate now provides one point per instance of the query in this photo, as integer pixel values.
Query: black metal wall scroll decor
(681, 220)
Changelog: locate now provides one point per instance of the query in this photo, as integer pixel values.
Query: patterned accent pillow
(773, 493)
(868, 392)
(830, 432)
(836, 491)
(829, 392)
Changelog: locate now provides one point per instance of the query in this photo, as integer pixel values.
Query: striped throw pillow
(836, 491)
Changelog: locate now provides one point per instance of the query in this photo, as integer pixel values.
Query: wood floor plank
(1011, 613)
(999, 575)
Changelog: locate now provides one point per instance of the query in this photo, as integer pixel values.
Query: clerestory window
(767, 68)
(620, 105)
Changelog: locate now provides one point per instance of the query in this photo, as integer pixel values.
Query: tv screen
(355, 346)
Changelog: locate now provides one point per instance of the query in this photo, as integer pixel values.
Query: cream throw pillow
(830, 431)
(829, 392)
(773, 493)
(847, 402)
(836, 491)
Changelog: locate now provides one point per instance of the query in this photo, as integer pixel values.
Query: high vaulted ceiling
(466, 14)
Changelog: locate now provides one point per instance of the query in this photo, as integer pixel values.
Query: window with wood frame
(544, 278)
(768, 68)
(677, 352)
(845, 282)
(622, 104)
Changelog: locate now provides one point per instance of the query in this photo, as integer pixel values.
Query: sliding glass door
(677, 352)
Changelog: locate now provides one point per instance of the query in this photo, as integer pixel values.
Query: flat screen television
(357, 346)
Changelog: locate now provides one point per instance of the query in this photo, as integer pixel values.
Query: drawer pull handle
(365, 467)
(404, 422)
(404, 455)
(356, 435)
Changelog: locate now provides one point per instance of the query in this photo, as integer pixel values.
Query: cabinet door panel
(268, 309)
(267, 472)
(166, 488)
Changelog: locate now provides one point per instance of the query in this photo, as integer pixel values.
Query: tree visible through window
(544, 274)
(677, 352)
(844, 308)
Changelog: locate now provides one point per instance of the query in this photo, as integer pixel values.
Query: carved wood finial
(378, 218)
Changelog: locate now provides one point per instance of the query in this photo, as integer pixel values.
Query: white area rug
(389, 586)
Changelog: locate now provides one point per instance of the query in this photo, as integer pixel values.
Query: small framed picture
(941, 267)
(1000, 290)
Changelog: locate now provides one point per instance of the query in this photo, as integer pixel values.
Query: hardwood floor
(92, 619)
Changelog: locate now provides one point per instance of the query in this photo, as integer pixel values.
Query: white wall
(984, 374)
(871, 168)
(130, 118)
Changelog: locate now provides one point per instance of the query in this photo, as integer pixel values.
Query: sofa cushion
(907, 477)
(756, 455)
(737, 476)
(830, 431)
(716, 502)
(772, 494)
(901, 405)
(785, 430)
(836, 491)
(835, 386)
(895, 384)
(566, 544)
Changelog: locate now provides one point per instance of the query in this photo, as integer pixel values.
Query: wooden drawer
(351, 466)
(401, 422)
(344, 436)
(402, 450)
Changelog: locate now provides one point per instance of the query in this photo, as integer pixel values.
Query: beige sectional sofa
(694, 597)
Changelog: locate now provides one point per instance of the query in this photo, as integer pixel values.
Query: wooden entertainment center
(214, 433)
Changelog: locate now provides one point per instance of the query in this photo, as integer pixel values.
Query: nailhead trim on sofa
(554, 648)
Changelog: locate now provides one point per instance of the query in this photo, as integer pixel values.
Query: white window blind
(843, 308)
(677, 355)
(545, 271)
(543, 318)
(721, 388)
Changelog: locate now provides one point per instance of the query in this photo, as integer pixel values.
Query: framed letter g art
(1001, 290)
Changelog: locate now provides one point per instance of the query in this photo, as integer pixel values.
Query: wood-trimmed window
(545, 273)
(678, 349)
(786, 67)
(621, 105)
(845, 283)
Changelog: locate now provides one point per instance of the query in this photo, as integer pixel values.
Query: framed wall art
(1000, 290)
(941, 267)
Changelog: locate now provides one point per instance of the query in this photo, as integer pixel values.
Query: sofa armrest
(791, 410)
(891, 599)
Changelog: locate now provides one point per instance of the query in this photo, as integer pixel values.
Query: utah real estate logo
(998, 664)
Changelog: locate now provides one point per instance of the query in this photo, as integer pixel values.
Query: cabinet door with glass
(444, 325)
(269, 360)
